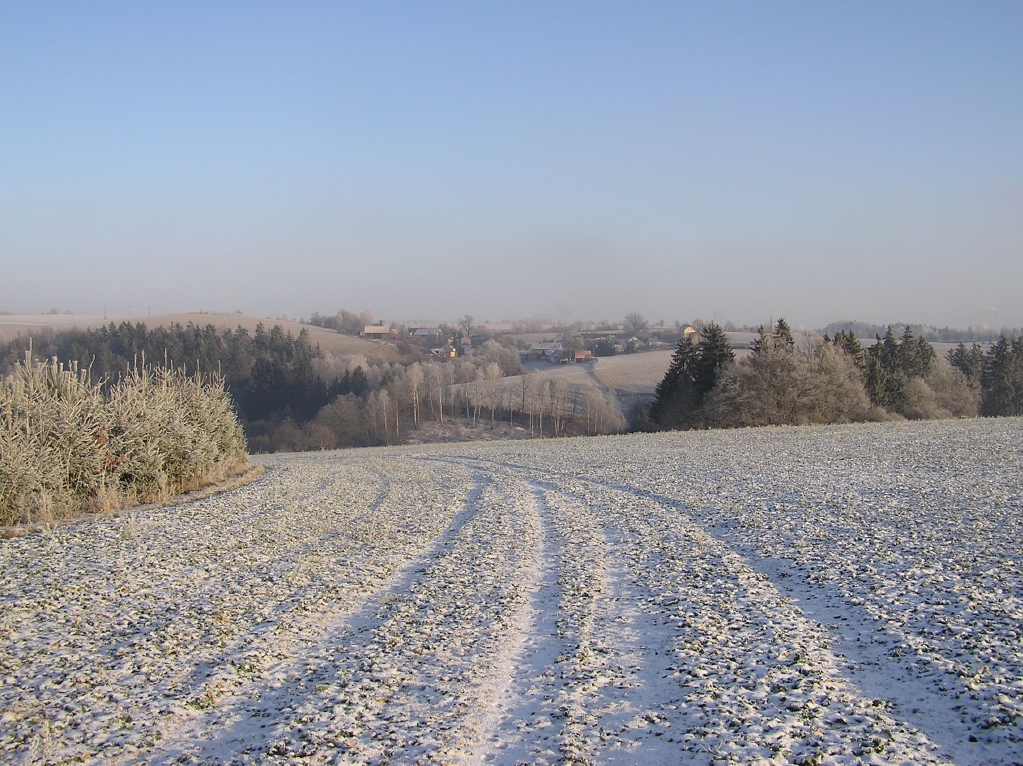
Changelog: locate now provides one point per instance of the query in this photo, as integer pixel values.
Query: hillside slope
(13, 325)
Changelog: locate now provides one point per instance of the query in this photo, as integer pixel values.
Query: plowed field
(802, 595)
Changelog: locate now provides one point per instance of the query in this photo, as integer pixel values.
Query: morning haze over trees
(431, 383)
(834, 380)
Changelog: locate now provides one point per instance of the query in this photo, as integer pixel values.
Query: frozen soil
(812, 596)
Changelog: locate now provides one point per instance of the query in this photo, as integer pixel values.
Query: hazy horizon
(733, 161)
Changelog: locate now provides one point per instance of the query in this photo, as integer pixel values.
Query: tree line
(290, 395)
(269, 373)
(829, 379)
(930, 332)
(473, 391)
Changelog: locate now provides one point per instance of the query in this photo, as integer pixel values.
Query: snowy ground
(817, 595)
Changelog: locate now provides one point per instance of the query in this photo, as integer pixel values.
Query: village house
(692, 333)
(549, 352)
(424, 332)
(379, 332)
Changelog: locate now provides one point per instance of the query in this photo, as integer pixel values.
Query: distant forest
(927, 332)
(833, 379)
(268, 373)
(290, 396)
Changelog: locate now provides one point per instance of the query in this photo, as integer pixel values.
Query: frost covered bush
(65, 446)
(943, 393)
(781, 385)
(831, 381)
(51, 421)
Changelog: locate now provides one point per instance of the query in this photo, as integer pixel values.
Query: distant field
(630, 374)
(633, 373)
(627, 374)
(12, 326)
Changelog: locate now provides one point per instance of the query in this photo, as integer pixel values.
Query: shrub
(781, 385)
(66, 447)
(952, 390)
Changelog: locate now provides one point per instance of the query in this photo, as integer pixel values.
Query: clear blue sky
(818, 161)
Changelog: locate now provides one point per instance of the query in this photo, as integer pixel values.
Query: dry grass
(634, 373)
(66, 447)
(243, 474)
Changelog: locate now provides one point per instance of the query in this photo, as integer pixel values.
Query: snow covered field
(812, 595)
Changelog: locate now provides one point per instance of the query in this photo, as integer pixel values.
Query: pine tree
(926, 355)
(1002, 379)
(916, 356)
(909, 362)
(783, 334)
(969, 361)
(850, 344)
(693, 372)
(762, 341)
(886, 384)
(675, 396)
(714, 353)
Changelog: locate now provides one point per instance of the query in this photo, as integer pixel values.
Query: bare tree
(414, 384)
(479, 383)
(781, 385)
(383, 412)
(434, 388)
(524, 392)
(952, 390)
(507, 402)
(492, 374)
(531, 396)
(542, 399)
(602, 414)
(557, 394)
(450, 390)
(507, 358)
(466, 374)
(635, 323)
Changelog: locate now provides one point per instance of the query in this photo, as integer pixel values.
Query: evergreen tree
(269, 374)
(850, 344)
(892, 364)
(691, 376)
(916, 356)
(969, 361)
(783, 334)
(909, 362)
(675, 396)
(1002, 379)
(762, 340)
(886, 385)
(714, 353)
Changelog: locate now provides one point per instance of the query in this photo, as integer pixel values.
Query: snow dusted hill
(801, 595)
